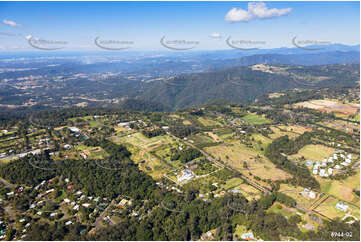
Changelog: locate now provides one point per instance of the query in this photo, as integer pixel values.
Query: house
(337, 167)
(312, 195)
(74, 129)
(186, 175)
(344, 163)
(85, 156)
(67, 146)
(53, 214)
(309, 163)
(123, 124)
(248, 236)
(66, 200)
(342, 206)
(76, 207)
(349, 156)
(51, 190)
(330, 171)
(68, 223)
(86, 205)
(314, 171)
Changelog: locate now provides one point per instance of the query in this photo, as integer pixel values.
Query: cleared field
(149, 163)
(201, 139)
(342, 125)
(295, 128)
(314, 152)
(213, 136)
(249, 192)
(330, 106)
(187, 122)
(236, 155)
(208, 122)
(278, 132)
(231, 183)
(342, 189)
(139, 140)
(255, 119)
(296, 193)
(141, 147)
(92, 152)
(328, 208)
(261, 141)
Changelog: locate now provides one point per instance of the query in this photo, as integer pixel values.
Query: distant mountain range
(244, 84)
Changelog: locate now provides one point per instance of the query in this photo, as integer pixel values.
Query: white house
(312, 195)
(74, 129)
(247, 236)
(342, 206)
(68, 223)
(330, 171)
(186, 175)
(322, 172)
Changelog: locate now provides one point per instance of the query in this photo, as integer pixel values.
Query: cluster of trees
(153, 133)
(301, 175)
(182, 131)
(185, 155)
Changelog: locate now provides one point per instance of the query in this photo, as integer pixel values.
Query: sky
(183, 25)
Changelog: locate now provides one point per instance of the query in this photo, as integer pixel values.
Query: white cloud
(11, 23)
(28, 37)
(216, 35)
(255, 10)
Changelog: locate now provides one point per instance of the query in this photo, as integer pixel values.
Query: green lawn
(255, 119)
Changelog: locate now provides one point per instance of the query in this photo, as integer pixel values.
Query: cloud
(216, 35)
(256, 10)
(11, 23)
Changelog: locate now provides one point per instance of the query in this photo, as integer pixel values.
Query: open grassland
(151, 154)
(314, 152)
(92, 152)
(255, 119)
(201, 139)
(187, 122)
(295, 128)
(236, 154)
(208, 122)
(342, 189)
(213, 136)
(278, 132)
(139, 140)
(328, 208)
(232, 183)
(261, 142)
(224, 133)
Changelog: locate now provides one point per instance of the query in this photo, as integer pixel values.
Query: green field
(255, 119)
(315, 152)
